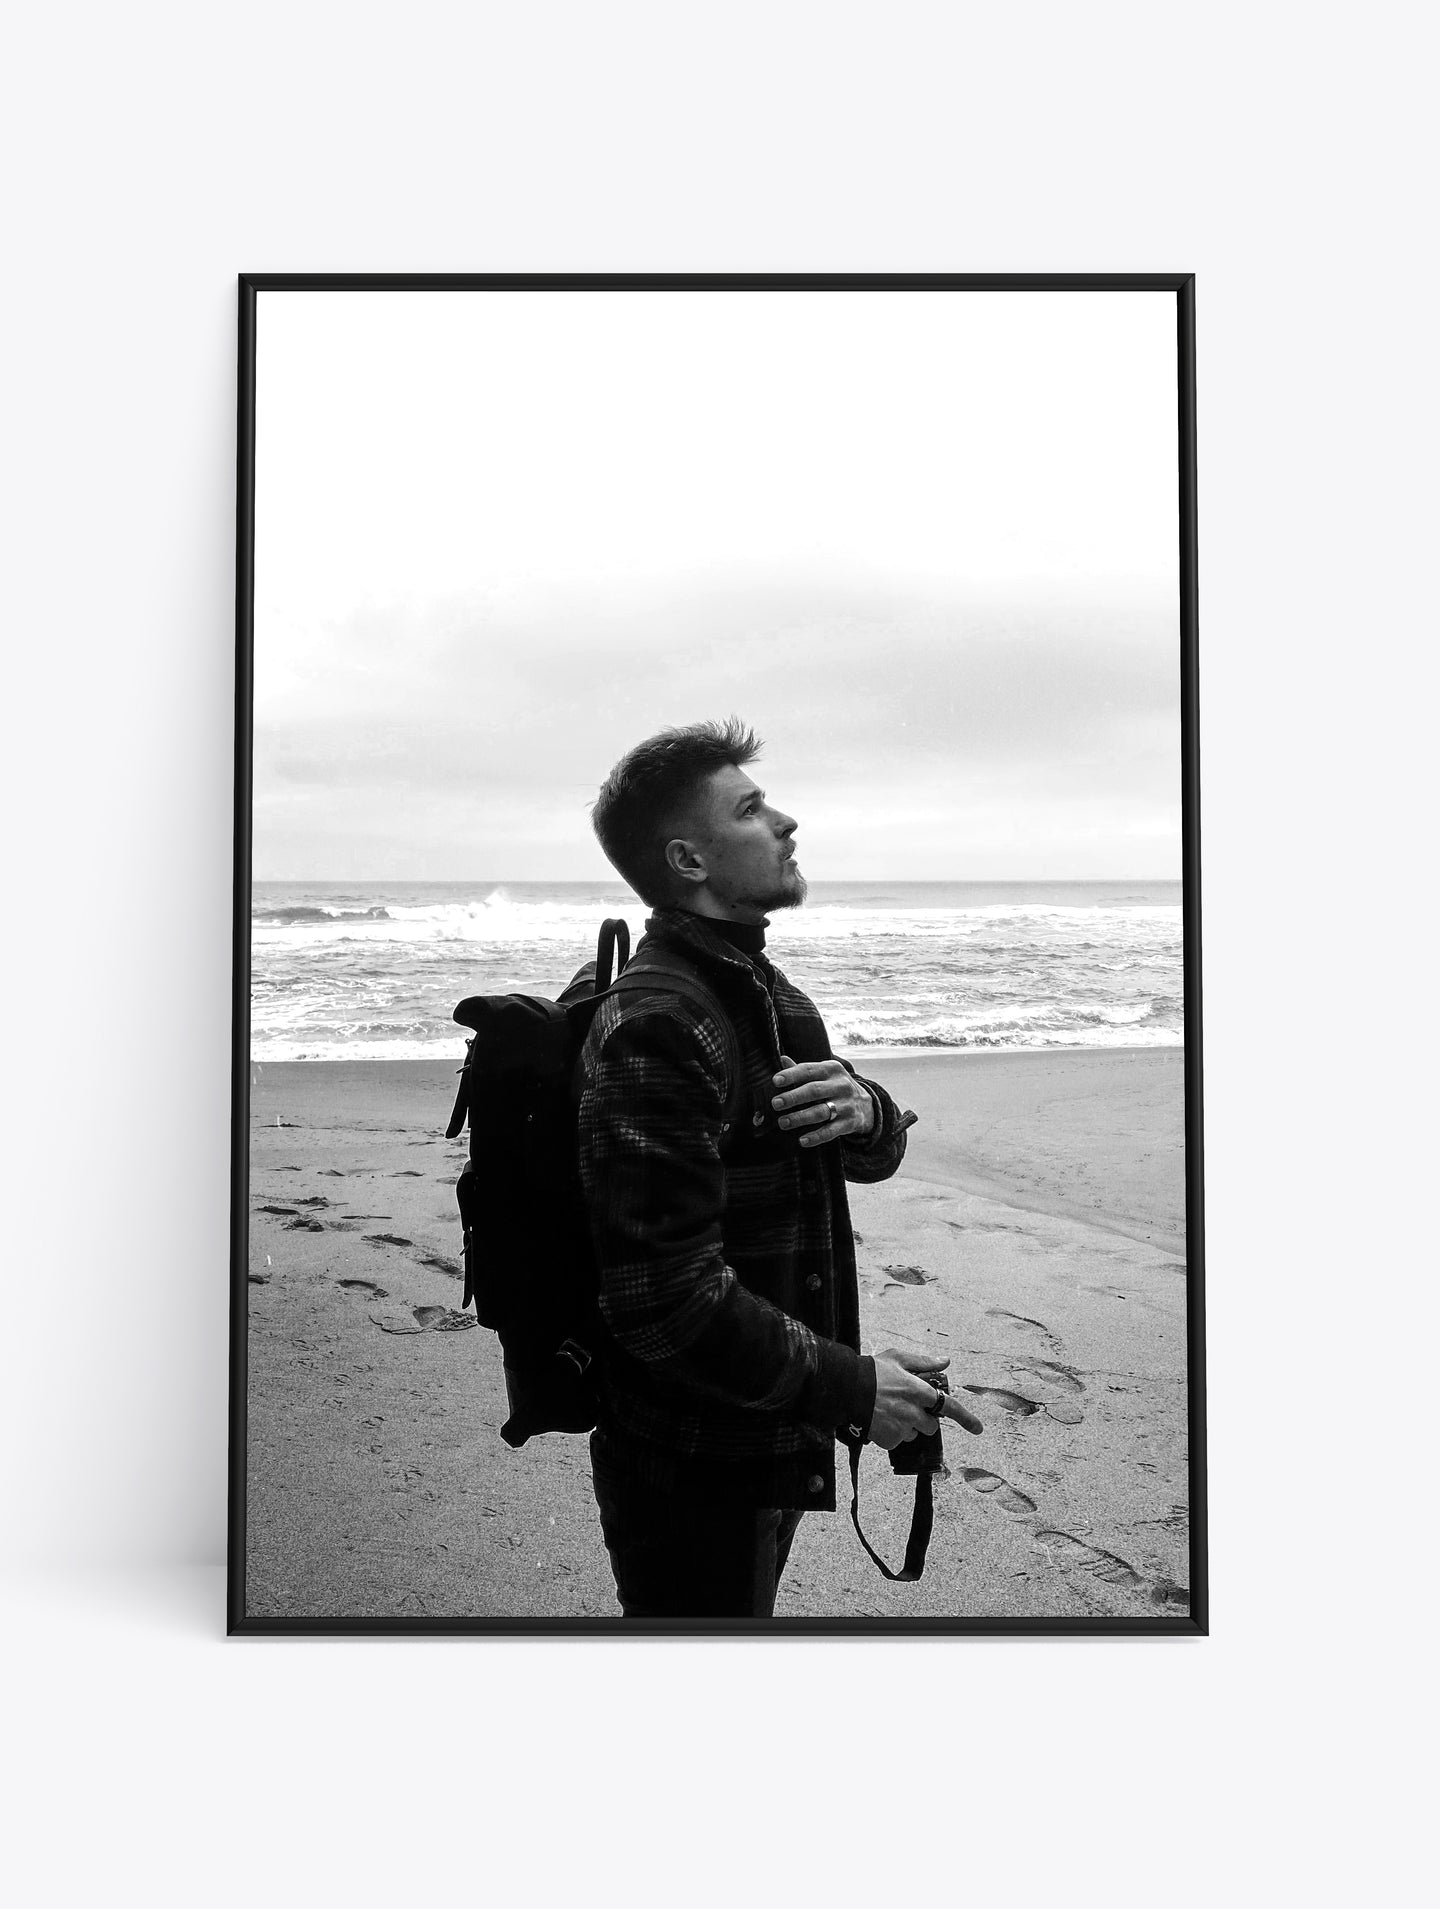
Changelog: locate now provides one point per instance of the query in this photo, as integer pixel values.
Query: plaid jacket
(725, 1252)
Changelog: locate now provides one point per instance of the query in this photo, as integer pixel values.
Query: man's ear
(684, 860)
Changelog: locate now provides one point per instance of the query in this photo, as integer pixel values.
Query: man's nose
(785, 824)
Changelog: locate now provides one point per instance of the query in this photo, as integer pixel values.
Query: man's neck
(747, 936)
(708, 909)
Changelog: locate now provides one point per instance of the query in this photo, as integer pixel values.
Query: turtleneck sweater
(748, 937)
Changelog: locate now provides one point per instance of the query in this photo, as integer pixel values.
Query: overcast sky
(925, 543)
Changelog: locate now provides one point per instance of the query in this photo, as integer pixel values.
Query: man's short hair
(643, 801)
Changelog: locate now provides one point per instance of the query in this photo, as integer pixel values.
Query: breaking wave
(373, 971)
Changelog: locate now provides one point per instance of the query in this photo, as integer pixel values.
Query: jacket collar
(693, 934)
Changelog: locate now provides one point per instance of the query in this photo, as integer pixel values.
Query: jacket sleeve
(879, 1153)
(650, 1114)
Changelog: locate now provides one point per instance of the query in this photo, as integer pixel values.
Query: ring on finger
(830, 1106)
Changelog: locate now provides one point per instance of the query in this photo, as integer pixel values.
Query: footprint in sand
(388, 1239)
(366, 1286)
(1024, 1320)
(1055, 1377)
(1007, 1401)
(1165, 1591)
(1063, 1414)
(443, 1319)
(1060, 1410)
(1053, 1373)
(439, 1264)
(395, 1321)
(311, 1199)
(305, 1223)
(1076, 1555)
(1005, 1495)
(422, 1319)
(909, 1275)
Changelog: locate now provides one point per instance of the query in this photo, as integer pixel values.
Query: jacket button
(817, 1483)
(814, 1282)
(757, 1120)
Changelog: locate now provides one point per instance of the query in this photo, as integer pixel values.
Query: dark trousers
(675, 1559)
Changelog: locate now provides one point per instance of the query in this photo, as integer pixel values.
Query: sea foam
(373, 970)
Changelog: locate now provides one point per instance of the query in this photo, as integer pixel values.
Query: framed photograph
(717, 1107)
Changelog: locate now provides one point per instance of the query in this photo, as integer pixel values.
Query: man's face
(747, 849)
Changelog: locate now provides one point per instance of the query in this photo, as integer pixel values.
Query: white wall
(152, 152)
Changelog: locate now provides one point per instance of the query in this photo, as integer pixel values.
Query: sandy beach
(1035, 1234)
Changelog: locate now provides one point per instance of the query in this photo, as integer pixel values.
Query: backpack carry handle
(613, 932)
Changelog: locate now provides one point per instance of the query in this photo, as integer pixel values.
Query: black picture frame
(1195, 1621)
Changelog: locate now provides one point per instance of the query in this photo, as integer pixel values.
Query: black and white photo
(843, 633)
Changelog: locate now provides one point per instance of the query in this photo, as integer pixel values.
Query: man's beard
(790, 897)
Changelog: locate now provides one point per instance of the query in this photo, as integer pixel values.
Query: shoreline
(855, 1055)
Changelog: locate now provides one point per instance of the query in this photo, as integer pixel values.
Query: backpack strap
(458, 1112)
(672, 974)
(614, 937)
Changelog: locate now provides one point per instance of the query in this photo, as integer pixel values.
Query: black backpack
(529, 1264)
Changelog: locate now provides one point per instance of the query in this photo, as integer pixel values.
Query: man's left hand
(822, 1102)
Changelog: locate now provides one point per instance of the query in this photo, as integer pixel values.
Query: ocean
(371, 970)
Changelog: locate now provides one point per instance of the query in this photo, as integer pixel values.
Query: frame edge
(240, 956)
(1194, 1063)
(1182, 285)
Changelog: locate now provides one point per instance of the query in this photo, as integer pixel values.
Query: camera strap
(922, 1520)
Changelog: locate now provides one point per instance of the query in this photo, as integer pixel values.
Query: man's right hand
(905, 1397)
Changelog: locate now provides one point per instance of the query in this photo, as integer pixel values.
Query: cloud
(983, 719)
(925, 544)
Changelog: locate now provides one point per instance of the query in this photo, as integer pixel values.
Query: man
(714, 1165)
